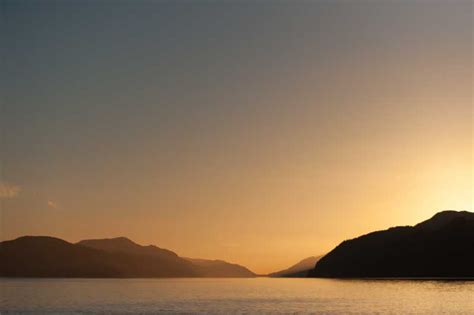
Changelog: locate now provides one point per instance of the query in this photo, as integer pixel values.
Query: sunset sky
(257, 132)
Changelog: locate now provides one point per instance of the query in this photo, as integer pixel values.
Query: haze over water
(236, 296)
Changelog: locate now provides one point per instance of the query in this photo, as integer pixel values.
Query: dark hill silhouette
(124, 245)
(202, 267)
(442, 246)
(220, 268)
(300, 269)
(40, 256)
(43, 256)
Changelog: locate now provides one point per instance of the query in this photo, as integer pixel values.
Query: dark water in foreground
(235, 296)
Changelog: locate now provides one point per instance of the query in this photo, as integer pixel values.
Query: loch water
(235, 296)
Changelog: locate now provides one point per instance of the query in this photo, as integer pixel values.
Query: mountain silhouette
(442, 246)
(202, 267)
(220, 268)
(124, 245)
(43, 256)
(300, 269)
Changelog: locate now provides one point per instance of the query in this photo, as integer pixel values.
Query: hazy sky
(258, 132)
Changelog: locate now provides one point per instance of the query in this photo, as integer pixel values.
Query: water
(235, 296)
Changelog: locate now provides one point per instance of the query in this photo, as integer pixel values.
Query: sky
(257, 132)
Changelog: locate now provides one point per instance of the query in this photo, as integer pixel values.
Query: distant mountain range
(42, 256)
(442, 246)
(300, 269)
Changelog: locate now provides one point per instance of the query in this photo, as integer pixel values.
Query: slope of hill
(300, 269)
(41, 256)
(442, 246)
(220, 268)
(202, 267)
(124, 245)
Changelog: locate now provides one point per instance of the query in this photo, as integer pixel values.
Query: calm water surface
(235, 296)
